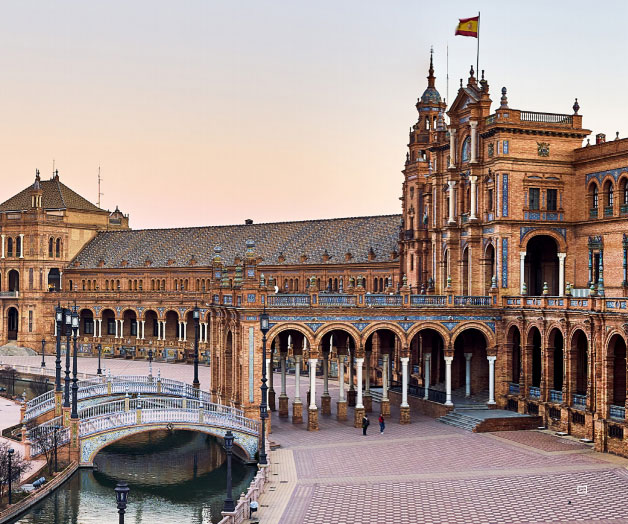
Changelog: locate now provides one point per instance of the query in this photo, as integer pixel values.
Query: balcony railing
(466, 300)
(608, 211)
(593, 212)
(579, 401)
(546, 118)
(289, 300)
(9, 294)
(337, 300)
(383, 300)
(433, 395)
(618, 412)
(513, 388)
(427, 300)
(624, 209)
(535, 392)
(556, 396)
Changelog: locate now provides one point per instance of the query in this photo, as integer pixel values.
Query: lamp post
(11, 451)
(59, 321)
(122, 495)
(43, 347)
(229, 504)
(99, 371)
(150, 363)
(75, 330)
(195, 383)
(68, 324)
(263, 407)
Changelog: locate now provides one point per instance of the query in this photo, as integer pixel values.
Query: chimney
(248, 221)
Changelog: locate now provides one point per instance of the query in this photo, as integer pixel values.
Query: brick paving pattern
(430, 473)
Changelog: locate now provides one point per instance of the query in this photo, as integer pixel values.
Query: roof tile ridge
(60, 192)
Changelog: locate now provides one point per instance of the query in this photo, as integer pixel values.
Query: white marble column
(448, 361)
(404, 382)
(3, 237)
(283, 373)
(341, 378)
(467, 382)
(21, 245)
(122, 328)
(474, 197)
(297, 378)
(100, 328)
(427, 360)
(491, 379)
(452, 147)
(185, 331)
(143, 329)
(116, 323)
(313, 382)
(180, 331)
(474, 134)
(326, 374)
(367, 375)
(359, 362)
(452, 201)
(522, 270)
(385, 376)
(561, 274)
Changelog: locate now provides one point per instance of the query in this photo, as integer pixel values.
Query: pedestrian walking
(365, 424)
(382, 424)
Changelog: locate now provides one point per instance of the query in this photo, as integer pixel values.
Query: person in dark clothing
(365, 424)
(382, 424)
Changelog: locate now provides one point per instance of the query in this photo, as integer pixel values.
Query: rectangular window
(489, 206)
(552, 199)
(499, 147)
(155, 327)
(505, 147)
(30, 321)
(535, 198)
(133, 328)
(30, 278)
(111, 326)
(88, 326)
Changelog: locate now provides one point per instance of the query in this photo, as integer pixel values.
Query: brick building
(504, 278)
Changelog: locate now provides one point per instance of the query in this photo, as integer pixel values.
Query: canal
(174, 477)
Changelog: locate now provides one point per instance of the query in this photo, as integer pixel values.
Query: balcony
(556, 396)
(337, 300)
(513, 388)
(535, 392)
(579, 402)
(427, 300)
(608, 211)
(618, 413)
(466, 300)
(289, 300)
(383, 300)
(9, 294)
(593, 212)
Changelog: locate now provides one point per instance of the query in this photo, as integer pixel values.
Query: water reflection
(175, 477)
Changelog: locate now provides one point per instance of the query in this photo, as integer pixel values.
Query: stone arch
(561, 243)
(151, 317)
(86, 321)
(301, 328)
(13, 279)
(489, 336)
(608, 191)
(593, 194)
(91, 445)
(108, 317)
(13, 323)
(428, 339)
(130, 317)
(355, 334)
(622, 186)
(534, 342)
(395, 328)
(228, 368)
(513, 343)
(171, 324)
(579, 361)
(470, 343)
(556, 348)
(436, 326)
(616, 369)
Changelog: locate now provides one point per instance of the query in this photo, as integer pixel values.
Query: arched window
(466, 149)
(624, 191)
(50, 248)
(375, 285)
(595, 196)
(608, 194)
(10, 247)
(296, 284)
(58, 248)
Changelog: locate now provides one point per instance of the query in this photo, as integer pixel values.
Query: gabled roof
(55, 195)
(285, 240)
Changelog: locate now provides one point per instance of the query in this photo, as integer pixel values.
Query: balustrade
(383, 300)
(514, 388)
(618, 412)
(556, 396)
(579, 401)
(535, 392)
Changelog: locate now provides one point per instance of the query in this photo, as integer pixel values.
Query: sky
(211, 112)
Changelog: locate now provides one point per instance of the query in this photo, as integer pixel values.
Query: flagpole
(477, 63)
(447, 71)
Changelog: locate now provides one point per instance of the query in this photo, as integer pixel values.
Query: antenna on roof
(99, 193)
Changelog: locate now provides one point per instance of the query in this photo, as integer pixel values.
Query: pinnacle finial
(576, 107)
(472, 72)
(504, 99)
(430, 77)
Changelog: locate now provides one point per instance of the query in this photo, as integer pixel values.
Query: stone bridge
(101, 388)
(102, 424)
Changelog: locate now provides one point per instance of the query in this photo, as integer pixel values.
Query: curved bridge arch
(93, 444)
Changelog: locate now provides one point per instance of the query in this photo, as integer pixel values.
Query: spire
(431, 79)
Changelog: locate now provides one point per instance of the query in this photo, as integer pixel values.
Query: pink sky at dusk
(210, 112)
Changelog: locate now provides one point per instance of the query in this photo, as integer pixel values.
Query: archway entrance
(14, 280)
(514, 340)
(541, 265)
(617, 372)
(12, 323)
(489, 267)
(556, 371)
(469, 374)
(534, 347)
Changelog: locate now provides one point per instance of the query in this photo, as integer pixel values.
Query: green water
(175, 477)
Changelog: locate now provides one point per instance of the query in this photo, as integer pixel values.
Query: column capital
(522, 254)
(452, 130)
(448, 360)
(451, 183)
(491, 358)
(359, 360)
(473, 179)
(404, 360)
(468, 356)
(427, 356)
(473, 123)
(561, 256)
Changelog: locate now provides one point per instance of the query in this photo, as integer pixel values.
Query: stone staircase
(376, 394)
(459, 419)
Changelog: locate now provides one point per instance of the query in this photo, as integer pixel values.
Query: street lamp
(195, 383)
(11, 451)
(229, 504)
(99, 371)
(150, 363)
(43, 347)
(122, 495)
(263, 407)
(59, 321)
(75, 331)
(68, 324)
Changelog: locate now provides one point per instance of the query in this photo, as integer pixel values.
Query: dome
(431, 96)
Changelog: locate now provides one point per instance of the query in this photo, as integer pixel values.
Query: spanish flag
(468, 26)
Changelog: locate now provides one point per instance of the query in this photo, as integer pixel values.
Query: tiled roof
(55, 196)
(337, 236)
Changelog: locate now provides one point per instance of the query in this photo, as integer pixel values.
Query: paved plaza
(428, 473)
